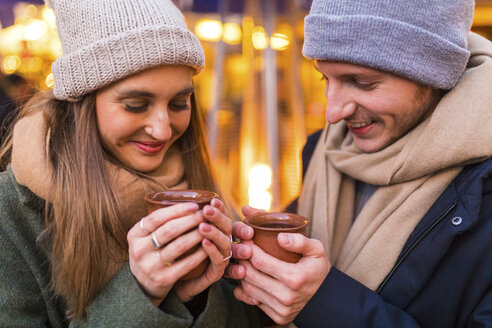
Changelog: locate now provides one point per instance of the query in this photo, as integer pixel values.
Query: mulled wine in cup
(172, 197)
(268, 225)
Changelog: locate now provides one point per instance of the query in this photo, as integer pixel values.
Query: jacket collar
(455, 211)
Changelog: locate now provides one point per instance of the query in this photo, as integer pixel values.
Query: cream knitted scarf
(32, 169)
(412, 173)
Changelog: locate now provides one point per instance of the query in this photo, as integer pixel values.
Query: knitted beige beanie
(104, 41)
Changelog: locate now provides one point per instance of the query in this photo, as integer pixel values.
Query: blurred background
(260, 96)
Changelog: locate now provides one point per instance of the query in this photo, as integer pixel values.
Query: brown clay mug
(167, 198)
(268, 225)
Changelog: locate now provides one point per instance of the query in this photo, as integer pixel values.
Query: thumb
(248, 210)
(298, 243)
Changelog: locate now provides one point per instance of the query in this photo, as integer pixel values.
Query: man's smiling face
(378, 107)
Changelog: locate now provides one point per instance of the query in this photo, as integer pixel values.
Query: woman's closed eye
(179, 106)
(135, 107)
(180, 103)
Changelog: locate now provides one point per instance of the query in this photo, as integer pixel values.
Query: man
(399, 187)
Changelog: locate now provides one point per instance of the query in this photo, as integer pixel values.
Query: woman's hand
(280, 289)
(157, 241)
(216, 232)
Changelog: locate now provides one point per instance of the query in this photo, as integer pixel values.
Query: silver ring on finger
(155, 242)
(228, 257)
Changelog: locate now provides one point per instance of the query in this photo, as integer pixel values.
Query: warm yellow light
(35, 29)
(260, 179)
(232, 33)
(11, 64)
(11, 40)
(260, 176)
(483, 16)
(260, 38)
(261, 199)
(208, 30)
(30, 11)
(237, 65)
(34, 64)
(48, 16)
(55, 47)
(50, 81)
(279, 41)
(16, 32)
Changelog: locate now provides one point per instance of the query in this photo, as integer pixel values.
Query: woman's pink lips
(149, 147)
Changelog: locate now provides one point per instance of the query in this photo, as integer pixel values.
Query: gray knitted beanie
(106, 40)
(422, 40)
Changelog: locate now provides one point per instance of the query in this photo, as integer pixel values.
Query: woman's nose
(339, 104)
(159, 126)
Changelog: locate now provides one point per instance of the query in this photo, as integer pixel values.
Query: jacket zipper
(418, 240)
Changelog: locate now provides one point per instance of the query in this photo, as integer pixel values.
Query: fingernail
(207, 242)
(285, 238)
(206, 227)
(246, 229)
(242, 252)
(209, 210)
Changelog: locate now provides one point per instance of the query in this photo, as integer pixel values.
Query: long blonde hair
(83, 212)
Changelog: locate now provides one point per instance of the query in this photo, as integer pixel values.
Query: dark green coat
(26, 299)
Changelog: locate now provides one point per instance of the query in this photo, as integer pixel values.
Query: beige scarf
(412, 173)
(32, 169)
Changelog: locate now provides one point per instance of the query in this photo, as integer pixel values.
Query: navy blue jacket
(442, 278)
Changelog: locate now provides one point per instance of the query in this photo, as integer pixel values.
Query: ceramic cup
(167, 198)
(268, 225)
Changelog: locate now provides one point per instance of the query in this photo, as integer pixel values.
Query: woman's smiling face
(378, 107)
(140, 116)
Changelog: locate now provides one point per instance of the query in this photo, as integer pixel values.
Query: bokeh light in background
(49, 81)
(232, 33)
(208, 30)
(279, 41)
(260, 181)
(30, 46)
(11, 64)
(213, 31)
(237, 45)
(260, 38)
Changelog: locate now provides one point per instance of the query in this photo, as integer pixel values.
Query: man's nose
(339, 103)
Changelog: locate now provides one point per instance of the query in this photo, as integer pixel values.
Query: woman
(77, 246)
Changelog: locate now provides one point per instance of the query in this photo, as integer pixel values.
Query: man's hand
(279, 288)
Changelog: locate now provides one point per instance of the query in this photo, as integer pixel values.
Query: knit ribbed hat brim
(385, 44)
(123, 54)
